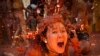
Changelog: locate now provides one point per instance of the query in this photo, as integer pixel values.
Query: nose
(59, 35)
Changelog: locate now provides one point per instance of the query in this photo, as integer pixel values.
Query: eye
(63, 31)
(54, 32)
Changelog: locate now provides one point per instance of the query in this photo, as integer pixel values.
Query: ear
(44, 39)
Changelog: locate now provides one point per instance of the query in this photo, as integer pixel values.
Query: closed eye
(54, 32)
(63, 31)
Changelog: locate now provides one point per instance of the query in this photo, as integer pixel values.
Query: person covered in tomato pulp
(52, 38)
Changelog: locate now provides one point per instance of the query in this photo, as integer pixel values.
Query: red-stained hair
(42, 28)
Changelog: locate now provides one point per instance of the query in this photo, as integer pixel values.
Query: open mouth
(60, 44)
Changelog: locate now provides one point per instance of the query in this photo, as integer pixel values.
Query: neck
(51, 53)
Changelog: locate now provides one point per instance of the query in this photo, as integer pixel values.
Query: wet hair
(44, 23)
(43, 27)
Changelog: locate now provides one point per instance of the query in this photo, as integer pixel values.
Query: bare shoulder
(34, 51)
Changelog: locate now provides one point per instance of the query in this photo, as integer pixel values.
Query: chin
(60, 50)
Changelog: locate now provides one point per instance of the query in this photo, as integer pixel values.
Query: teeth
(60, 44)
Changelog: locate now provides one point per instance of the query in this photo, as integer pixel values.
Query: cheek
(51, 39)
(65, 36)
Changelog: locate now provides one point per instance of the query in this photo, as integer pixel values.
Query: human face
(56, 37)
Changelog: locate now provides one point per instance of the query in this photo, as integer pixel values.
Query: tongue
(60, 44)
